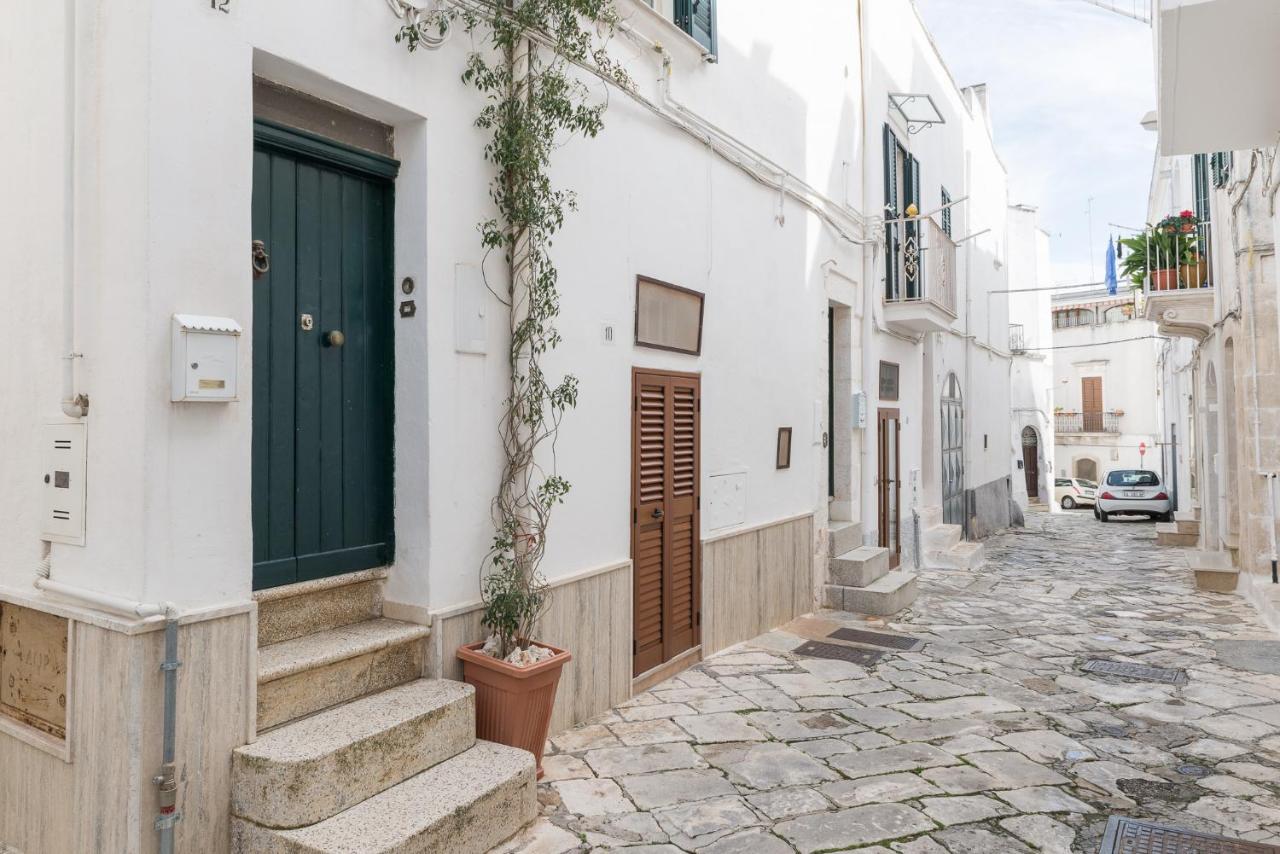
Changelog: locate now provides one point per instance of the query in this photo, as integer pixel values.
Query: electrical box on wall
(859, 410)
(62, 505)
(205, 357)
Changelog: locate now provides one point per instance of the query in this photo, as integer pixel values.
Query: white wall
(164, 184)
(958, 154)
(1031, 382)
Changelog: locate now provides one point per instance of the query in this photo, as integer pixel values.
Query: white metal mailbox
(205, 356)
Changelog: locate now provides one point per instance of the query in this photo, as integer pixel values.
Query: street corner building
(258, 358)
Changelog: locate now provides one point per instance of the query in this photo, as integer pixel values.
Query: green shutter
(698, 19)
(890, 211)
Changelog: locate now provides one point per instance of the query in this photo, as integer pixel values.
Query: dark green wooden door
(322, 359)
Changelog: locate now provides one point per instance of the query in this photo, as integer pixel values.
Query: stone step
(301, 609)
(860, 567)
(317, 767)
(930, 517)
(464, 805)
(1214, 571)
(1169, 534)
(963, 555)
(884, 597)
(304, 675)
(1187, 526)
(843, 536)
(942, 537)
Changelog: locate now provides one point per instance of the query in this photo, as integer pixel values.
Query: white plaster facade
(1217, 129)
(135, 177)
(1031, 377)
(1119, 352)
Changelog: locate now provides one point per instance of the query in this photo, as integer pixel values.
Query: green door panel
(322, 415)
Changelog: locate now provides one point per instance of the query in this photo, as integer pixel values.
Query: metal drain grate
(1142, 672)
(1130, 836)
(877, 639)
(817, 649)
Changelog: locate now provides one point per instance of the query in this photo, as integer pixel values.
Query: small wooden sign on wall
(33, 668)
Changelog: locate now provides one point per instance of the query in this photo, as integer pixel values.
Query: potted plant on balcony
(1154, 253)
(1193, 267)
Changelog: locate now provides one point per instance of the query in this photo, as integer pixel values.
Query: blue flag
(1111, 267)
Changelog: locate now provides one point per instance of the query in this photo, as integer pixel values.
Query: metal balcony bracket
(918, 110)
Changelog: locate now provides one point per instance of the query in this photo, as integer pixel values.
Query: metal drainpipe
(1271, 528)
(166, 781)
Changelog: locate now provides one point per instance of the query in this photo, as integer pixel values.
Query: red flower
(1187, 215)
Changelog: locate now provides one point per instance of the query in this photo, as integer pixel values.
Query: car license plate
(1132, 493)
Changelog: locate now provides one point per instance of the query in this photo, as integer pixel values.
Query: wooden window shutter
(649, 546)
(683, 565)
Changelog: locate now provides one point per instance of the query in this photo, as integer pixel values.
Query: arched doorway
(1211, 500)
(952, 452)
(1231, 502)
(1087, 469)
(1031, 461)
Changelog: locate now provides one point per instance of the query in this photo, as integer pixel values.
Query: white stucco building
(1106, 405)
(1217, 126)
(290, 450)
(1031, 377)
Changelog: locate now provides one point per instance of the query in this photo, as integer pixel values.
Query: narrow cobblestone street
(989, 737)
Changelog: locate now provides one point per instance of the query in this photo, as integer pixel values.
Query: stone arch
(1231, 445)
(1086, 468)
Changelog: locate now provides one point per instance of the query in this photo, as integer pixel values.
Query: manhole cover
(877, 639)
(1130, 836)
(1142, 672)
(817, 649)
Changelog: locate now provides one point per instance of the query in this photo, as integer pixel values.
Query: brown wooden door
(889, 483)
(1091, 403)
(1031, 461)
(665, 543)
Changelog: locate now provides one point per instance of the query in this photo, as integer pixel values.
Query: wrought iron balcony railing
(1087, 422)
(921, 263)
(1017, 338)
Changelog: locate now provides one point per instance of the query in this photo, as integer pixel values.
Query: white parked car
(1072, 492)
(1132, 492)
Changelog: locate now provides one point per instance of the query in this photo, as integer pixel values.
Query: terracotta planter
(1195, 275)
(513, 704)
(1164, 280)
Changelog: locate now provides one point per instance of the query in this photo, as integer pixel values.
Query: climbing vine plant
(524, 67)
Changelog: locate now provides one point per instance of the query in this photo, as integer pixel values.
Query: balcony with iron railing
(1178, 277)
(1017, 338)
(920, 276)
(1087, 422)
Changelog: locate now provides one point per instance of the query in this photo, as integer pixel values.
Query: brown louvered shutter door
(648, 545)
(665, 520)
(1091, 398)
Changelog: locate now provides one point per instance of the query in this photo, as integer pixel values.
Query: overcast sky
(1069, 84)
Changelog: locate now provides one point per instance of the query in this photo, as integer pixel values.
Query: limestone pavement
(987, 738)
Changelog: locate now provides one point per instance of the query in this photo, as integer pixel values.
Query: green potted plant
(1193, 268)
(1153, 253)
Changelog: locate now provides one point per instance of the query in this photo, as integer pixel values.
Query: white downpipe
(105, 601)
(73, 403)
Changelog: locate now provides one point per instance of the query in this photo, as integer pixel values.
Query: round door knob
(334, 338)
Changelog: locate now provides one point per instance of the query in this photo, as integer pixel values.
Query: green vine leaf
(532, 102)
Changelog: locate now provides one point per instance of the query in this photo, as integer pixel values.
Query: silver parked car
(1132, 492)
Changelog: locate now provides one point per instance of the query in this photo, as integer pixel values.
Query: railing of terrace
(1087, 422)
(922, 263)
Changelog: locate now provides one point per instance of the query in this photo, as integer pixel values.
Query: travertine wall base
(103, 799)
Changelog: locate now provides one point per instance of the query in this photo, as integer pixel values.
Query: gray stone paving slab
(857, 826)
(987, 739)
(649, 791)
